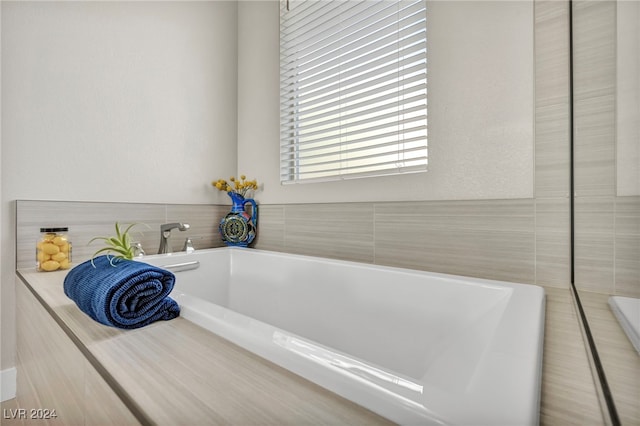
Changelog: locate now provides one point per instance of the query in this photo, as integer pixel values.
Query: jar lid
(65, 229)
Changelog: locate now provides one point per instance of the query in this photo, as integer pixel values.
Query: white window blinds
(353, 88)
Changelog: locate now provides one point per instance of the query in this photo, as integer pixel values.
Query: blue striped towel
(130, 294)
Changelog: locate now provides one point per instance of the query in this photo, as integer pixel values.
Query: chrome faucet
(165, 233)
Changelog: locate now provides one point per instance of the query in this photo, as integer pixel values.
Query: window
(353, 88)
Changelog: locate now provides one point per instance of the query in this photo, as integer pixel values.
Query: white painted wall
(481, 107)
(113, 101)
(137, 98)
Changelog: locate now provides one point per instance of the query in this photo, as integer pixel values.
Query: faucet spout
(170, 226)
(165, 233)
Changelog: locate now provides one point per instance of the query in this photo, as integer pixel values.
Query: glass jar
(53, 250)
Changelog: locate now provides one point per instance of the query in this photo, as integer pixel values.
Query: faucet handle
(188, 246)
(138, 251)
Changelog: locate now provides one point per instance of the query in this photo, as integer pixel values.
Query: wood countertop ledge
(174, 372)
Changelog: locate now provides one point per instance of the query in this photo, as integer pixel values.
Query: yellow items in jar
(53, 250)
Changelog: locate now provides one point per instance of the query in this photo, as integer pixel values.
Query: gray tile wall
(552, 147)
(608, 245)
(486, 238)
(627, 246)
(607, 235)
(490, 239)
(89, 219)
(594, 93)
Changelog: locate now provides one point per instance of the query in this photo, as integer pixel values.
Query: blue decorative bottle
(238, 228)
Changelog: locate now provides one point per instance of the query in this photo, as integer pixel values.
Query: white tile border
(8, 383)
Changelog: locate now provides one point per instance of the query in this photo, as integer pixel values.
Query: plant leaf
(120, 244)
(118, 235)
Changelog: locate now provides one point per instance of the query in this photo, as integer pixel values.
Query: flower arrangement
(240, 187)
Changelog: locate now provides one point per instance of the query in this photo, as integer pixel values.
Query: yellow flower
(240, 187)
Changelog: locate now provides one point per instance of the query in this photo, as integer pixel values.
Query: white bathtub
(412, 346)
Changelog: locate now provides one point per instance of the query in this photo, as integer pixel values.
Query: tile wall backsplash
(344, 231)
(627, 246)
(595, 243)
(552, 109)
(488, 238)
(552, 148)
(607, 226)
(89, 219)
(552, 233)
(594, 98)
(521, 240)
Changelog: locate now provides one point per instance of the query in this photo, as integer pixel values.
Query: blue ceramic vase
(238, 228)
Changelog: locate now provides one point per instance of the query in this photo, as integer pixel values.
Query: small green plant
(120, 245)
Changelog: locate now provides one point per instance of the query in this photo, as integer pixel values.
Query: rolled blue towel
(129, 294)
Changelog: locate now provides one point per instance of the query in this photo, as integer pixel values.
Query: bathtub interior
(357, 309)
